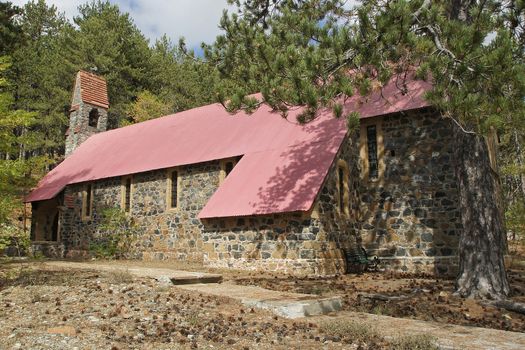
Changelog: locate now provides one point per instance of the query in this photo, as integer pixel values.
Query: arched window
(93, 117)
(172, 195)
(87, 202)
(126, 193)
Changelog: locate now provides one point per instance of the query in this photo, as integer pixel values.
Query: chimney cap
(93, 89)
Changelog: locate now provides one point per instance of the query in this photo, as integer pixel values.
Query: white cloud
(196, 20)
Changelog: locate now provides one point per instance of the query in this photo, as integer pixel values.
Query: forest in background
(40, 53)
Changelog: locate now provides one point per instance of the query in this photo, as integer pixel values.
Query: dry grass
(32, 275)
(414, 342)
(351, 330)
(120, 277)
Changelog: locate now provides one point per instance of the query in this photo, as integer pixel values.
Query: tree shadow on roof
(300, 170)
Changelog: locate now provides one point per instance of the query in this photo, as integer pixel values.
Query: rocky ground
(51, 308)
(46, 307)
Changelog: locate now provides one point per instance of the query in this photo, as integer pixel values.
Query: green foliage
(14, 236)
(147, 106)
(181, 79)
(515, 219)
(44, 51)
(41, 77)
(314, 51)
(352, 121)
(108, 43)
(117, 235)
(10, 31)
(17, 174)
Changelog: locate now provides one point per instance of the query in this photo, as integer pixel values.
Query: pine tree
(41, 75)
(109, 44)
(10, 31)
(17, 174)
(300, 52)
(181, 79)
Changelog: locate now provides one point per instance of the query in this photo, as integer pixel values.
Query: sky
(196, 20)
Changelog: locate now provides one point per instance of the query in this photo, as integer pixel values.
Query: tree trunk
(481, 247)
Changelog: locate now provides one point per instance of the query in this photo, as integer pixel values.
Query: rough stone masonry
(409, 217)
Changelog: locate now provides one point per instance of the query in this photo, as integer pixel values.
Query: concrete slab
(162, 275)
(289, 305)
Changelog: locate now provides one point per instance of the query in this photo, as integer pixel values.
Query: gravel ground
(50, 308)
(430, 299)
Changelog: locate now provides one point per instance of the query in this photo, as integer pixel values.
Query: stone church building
(260, 191)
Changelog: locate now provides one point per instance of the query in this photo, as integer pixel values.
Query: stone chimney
(89, 109)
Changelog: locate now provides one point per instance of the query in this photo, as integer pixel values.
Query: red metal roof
(93, 89)
(284, 163)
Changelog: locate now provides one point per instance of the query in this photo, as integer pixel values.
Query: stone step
(208, 278)
(289, 305)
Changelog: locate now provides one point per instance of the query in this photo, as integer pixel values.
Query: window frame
(87, 196)
(169, 188)
(343, 206)
(363, 150)
(123, 186)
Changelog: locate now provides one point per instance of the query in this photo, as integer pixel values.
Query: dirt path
(164, 275)
(284, 304)
(449, 336)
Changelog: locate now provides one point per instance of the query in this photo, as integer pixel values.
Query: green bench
(357, 260)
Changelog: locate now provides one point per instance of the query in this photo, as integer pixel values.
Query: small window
(373, 164)
(341, 187)
(87, 202)
(93, 118)
(227, 166)
(343, 190)
(126, 193)
(173, 189)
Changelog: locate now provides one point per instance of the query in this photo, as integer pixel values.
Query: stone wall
(298, 243)
(293, 242)
(76, 233)
(411, 217)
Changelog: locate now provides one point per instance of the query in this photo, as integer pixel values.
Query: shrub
(120, 277)
(116, 237)
(15, 237)
(351, 330)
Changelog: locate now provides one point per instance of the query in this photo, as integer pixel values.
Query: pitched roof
(93, 89)
(284, 163)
